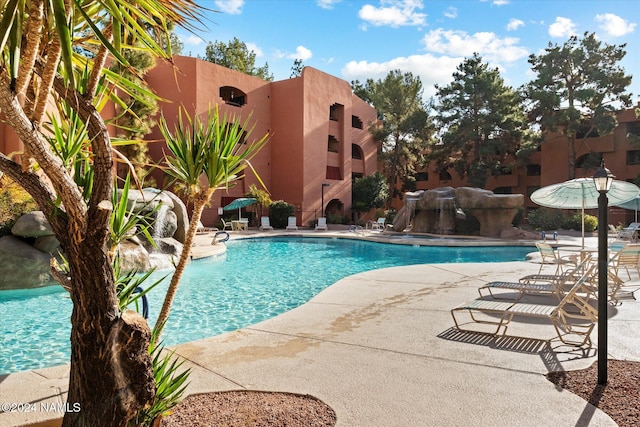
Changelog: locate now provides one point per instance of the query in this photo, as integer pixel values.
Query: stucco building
(549, 165)
(319, 131)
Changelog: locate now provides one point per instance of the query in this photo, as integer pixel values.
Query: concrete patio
(379, 347)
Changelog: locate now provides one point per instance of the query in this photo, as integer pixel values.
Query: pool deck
(380, 348)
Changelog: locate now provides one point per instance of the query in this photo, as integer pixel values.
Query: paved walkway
(380, 349)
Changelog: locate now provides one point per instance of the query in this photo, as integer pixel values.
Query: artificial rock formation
(26, 254)
(438, 210)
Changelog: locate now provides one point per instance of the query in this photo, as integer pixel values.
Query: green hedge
(279, 211)
(545, 219)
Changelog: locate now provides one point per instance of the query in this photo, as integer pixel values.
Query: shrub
(545, 219)
(14, 202)
(336, 218)
(574, 222)
(590, 223)
(279, 211)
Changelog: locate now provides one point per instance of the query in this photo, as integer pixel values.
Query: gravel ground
(251, 408)
(619, 398)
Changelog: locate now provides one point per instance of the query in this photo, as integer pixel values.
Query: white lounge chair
(575, 315)
(379, 225)
(265, 224)
(628, 258)
(552, 256)
(322, 224)
(226, 225)
(630, 232)
(536, 283)
(291, 223)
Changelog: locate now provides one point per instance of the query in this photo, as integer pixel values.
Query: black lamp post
(324, 184)
(602, 180)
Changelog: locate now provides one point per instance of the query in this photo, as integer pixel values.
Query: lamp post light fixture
(324, 184)
(602, 180)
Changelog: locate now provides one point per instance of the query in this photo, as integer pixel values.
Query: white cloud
(190, 40)
(301, 53)
(514, 24)
(327, 4)
(232, 7)
(614, 25)
(255, 48)
(431, 70)
(451, 12)
(458, 43)
(394, 13)
(500, 2)
(562, 27)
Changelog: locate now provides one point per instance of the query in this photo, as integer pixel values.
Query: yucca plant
(125, 222)
(131, 286)
(57, 49)
(205, 155)
(171, 383)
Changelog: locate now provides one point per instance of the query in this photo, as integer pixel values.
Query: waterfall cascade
(411, 211)
(160, 221)
(446, 215)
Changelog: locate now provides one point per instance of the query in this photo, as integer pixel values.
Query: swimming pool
(255, 280)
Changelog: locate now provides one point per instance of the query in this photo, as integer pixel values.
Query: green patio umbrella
(633, 205)
(581, 193)
(240, 203)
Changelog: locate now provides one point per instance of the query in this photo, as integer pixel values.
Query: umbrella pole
(583, 223)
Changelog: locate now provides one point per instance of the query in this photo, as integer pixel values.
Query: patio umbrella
(239, 204)
(581, 193)
(633, 204)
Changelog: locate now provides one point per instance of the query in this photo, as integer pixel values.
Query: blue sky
(366, 39)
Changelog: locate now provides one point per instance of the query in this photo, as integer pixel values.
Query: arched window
(333, 144)
(589, 161)
(233, 96)
(356, 152)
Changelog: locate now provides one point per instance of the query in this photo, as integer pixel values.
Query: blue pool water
(255, 280)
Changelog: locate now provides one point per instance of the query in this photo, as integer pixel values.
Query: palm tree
(56, 50)
(205, 156)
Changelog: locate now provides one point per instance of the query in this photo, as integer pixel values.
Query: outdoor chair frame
(552, 256)
(579, 304)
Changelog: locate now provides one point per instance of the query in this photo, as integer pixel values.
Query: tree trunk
(571, 139)
(111, 376)
(111, 373)
(199, 204)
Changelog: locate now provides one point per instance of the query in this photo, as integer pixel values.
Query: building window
(233, 96)
(444, 176)
(505, 171)
(633, 157)
(356, 122)
(421, 176)
(589, 161)
(582, 132)
(534, 170)
(633, 129)
(356, 175)
(334, 144)
(333, 172)
(356, 152)
(335, 112)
